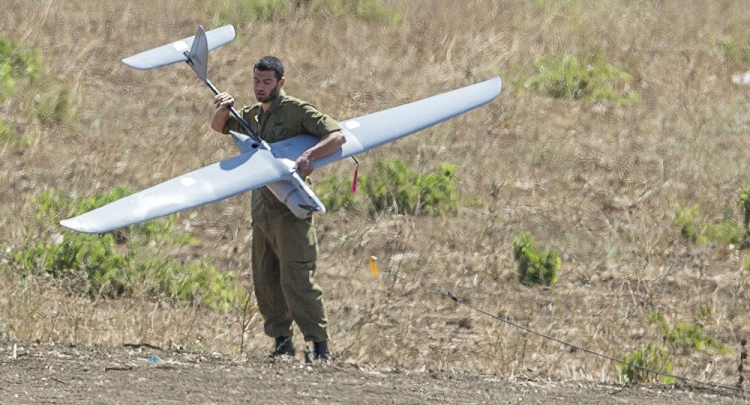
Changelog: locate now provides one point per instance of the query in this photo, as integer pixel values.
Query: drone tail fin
(182, 50)
(198, 55)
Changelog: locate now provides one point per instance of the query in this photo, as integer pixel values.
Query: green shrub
(731, 51)
(736, 51)
(638, 365)
(721, 233)
(17, 64)
(583, 76)
(535, 267)
(198, 283)
(692, 228)
(22, 71)
(437, 193)
(687, 336)
(120, 263)
(393, 188)
(335, 193)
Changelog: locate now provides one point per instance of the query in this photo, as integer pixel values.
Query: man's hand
(223, 101)
(327, 144)
(304, 165)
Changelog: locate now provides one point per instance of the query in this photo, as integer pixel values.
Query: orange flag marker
(373, 267)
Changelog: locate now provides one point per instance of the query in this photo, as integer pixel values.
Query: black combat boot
(320, 351)
(284, 346)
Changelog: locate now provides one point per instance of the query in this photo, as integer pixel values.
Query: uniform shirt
(287, 117)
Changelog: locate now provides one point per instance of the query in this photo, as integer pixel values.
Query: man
(285, 248)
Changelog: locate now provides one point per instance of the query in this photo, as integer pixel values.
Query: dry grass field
(596, 180)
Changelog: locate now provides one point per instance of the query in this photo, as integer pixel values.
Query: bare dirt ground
(66, 373)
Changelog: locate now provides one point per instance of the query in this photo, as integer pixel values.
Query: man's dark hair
(267, 63)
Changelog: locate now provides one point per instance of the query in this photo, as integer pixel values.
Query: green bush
(721, 233)
(121, 263)
(687, 336)
(22, 68)
(692, 228)
(335, 193)
(642, 365)
(583, 76)
(730, 48)
(736, 51)
(393, 188)
(638, 365)
(689, 221)
(198, 283)
(535, 267)
(17, 64)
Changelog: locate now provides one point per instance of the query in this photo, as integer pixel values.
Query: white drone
(262, 164)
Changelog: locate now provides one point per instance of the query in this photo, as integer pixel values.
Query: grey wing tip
(80, 226)
(132, 61)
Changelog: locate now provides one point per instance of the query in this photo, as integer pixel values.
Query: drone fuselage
(293, 190)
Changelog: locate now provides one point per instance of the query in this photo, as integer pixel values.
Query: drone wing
(209, 184)
(257, 167)
(376, 129)
(175, 52)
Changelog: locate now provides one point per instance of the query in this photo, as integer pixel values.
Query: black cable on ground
(583, 349)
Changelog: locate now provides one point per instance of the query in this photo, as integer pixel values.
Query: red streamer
(354, 180)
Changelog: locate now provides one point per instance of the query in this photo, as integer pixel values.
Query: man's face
(267, 87)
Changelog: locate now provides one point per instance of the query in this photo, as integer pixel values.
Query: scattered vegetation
(695, 229)
(734, 51)
(535, 267)
(335, 193)
(687, 336)
(19, 66)
(541, 163)
(736, 45)
(22, 70)
(118, 264)
(393, 188)
(644, 365)
(586, 75)
(647, 364)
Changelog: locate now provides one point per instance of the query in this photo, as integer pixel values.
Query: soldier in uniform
(285, 247)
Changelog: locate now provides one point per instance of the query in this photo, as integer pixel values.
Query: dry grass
(594, 180)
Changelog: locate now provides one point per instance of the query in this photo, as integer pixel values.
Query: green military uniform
(285, 248)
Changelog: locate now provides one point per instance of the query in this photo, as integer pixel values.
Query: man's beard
(270, 96)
